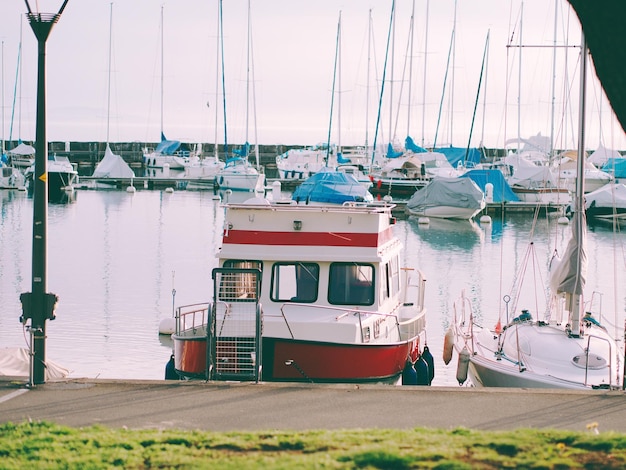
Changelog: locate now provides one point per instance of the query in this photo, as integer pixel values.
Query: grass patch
(49, 446)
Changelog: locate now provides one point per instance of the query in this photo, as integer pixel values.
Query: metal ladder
(236, 325)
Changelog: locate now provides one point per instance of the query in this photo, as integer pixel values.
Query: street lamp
(38, 305)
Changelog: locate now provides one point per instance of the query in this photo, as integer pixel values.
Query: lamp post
(38, 305)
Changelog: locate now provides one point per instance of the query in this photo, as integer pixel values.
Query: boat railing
(588, 352)
(414, 287)
(464, 319)
(341, 313)
(192, 317)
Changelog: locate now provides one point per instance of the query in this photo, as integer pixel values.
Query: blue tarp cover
(332, 187)
(502, 192)
(409, 144)
(391, 153)
(615, 166)
(167, 147)
(457, 154)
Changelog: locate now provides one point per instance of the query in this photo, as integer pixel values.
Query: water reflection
(448, 233)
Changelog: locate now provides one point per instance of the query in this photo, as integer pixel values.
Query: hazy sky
(291, 80)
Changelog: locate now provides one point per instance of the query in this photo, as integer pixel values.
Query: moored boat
(311, 293)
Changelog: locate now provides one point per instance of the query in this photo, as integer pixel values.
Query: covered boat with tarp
(447, 198)
(171, 153)
(607, 203)
(330, 186)
(112, 166)
(500, 189)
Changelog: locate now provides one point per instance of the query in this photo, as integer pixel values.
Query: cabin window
(237, 286)
(351, 284)
(386, 280)
(294, 282)
(394, 273)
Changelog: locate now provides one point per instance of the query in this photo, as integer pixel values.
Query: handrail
(182, 315)
(345, 312)
(588, 350)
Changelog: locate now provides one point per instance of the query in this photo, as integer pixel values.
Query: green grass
(44, 445)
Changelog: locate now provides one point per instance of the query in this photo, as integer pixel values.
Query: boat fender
(448, 343)
(463, 365)
(428, 357)
(409, 376)
(421, 371)
(170, 370)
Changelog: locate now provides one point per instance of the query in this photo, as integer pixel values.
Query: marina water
(119, 263)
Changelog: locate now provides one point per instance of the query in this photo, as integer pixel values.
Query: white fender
(463, 365)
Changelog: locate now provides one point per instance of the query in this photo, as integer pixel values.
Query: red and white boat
(307, 293)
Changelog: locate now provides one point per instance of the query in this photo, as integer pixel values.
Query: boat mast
(332, 95)
(2, 149)
(221, 30)
(162, 71)
(367, 86)
(425, 74)
(109, 77)
(247, 85)
(576, 305)
(256, 137)
(217, 79)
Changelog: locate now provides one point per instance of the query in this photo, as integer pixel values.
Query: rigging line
(443, 92)
(17, 76)
(480, 81)
(382, 85)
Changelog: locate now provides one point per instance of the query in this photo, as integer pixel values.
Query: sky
(453, 81)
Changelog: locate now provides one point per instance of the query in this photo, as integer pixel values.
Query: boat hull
(446, 212)
(308, 361)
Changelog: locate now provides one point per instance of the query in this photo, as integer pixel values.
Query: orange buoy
(448, 342)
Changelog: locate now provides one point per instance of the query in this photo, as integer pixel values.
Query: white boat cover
(610, 195)
(112, 166)
(15, 362)
(23, 150)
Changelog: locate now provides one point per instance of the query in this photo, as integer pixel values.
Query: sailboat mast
(256, 137)
(408, 117)
(221, 29)
(576, 301)
(217, 79)
(109, 75)
(162, 68)
(332, 95)
(425, 71)
(2, 150)
(367, 86)
(247, 83)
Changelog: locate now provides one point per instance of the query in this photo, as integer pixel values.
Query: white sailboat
(238, 174)
(112, 166)
(168, 153)
(567, 349)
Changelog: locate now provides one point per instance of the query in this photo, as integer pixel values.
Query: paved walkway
(249, 406)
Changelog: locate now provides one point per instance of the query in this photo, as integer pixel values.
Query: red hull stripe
(251, 237)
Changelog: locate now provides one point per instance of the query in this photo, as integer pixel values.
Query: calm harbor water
(119, 262)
